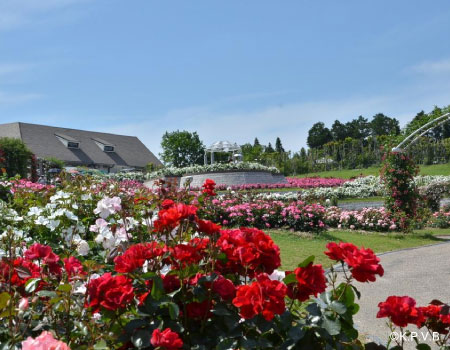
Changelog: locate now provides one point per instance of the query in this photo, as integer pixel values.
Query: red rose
(338, 252)
(166, 340)
(401, 310)
(22, 271)
(42, 252)
(136, 255)
(363, 263)
(435, 319)
(110, 292)
(171, 283)
(208, 227)
(263, 296)
(208, 187)
(198, 310)
(184, 254)
(167, 203)
(169, 218)
(310, 281)
(224, 287)
(248, 251)
(73, 267)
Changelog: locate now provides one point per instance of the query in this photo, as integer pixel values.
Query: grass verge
(435, 169)
(295, 247)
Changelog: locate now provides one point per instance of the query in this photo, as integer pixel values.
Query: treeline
(359, 143)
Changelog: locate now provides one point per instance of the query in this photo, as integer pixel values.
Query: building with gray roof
(102, 151)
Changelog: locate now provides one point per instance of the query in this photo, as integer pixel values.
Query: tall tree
(269, 148)
(384, 125)
(358, 128)
(256, 143)
(278, 146)
(182, 148)
(339, 131)
(318, 135)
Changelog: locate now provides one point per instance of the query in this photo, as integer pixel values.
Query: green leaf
(307, 261)
(333, 327)
(4, 298)
(47, 293)
(64, 288)
(289, 279)
(157, 288)
(31, 285)
(101, 345)
(338, 307)
(423, 346)
(141, 339)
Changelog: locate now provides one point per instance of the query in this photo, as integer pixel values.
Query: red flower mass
(310, 281)
(109, 292)
(166, 339)
(209, 187)
(169, 218)
(248, 250)
(264, 297)
(401, 310)
(363, 263)
(136, 255)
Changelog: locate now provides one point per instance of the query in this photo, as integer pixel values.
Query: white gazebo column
(205, 158)
(212, 157)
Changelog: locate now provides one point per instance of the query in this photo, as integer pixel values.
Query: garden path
(421, 273)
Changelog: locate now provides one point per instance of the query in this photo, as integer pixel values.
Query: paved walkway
(421, 273)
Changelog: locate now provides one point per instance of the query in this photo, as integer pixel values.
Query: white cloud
(12, 68)
(11, 98)
(433, 67)
(17, 13)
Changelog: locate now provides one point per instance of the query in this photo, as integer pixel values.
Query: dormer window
(105, 146)
(68, 141)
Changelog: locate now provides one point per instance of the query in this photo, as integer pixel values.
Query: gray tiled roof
(42, 141)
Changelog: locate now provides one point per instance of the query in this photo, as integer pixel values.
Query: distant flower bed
(292, 182)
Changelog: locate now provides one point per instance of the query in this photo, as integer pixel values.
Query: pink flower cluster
(28, 186)
(293, 182)
(45, 341)
(371, 219)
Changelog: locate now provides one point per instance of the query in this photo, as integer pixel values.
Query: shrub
(17, 156)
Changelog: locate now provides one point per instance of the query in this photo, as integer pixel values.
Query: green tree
(17, 156)
(339, 131)
(278, 146)
(358, 128)
(256, 142)
(182, 148)
(318, 135)
(269, 148)
(383, 125)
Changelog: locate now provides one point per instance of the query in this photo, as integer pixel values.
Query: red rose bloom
(363, 263)
(166, 340)
(185, 254)
(22, 271)
(224, 287)
(73, 267)
(401, 310)
(171, 283)
(110, 292)
(208, 227)
(209, 187)
(169, 218)
(167, 203)
(136, 255)
(263, 296)
(248, 250)
(435, 319)
(41, 252)
(310, 281)
(198, 311)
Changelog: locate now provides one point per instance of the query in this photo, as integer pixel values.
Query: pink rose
(45, 341)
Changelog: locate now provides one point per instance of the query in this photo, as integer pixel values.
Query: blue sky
(227, 69)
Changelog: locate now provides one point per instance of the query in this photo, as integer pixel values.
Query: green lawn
(295, 248)
(436, 169)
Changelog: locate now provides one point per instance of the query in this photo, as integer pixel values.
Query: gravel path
(421, 273)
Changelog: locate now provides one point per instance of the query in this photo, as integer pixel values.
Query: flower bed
(113, 265)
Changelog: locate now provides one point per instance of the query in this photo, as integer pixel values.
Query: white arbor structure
(223, 146)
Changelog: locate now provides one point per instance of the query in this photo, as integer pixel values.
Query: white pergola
(223, 146)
